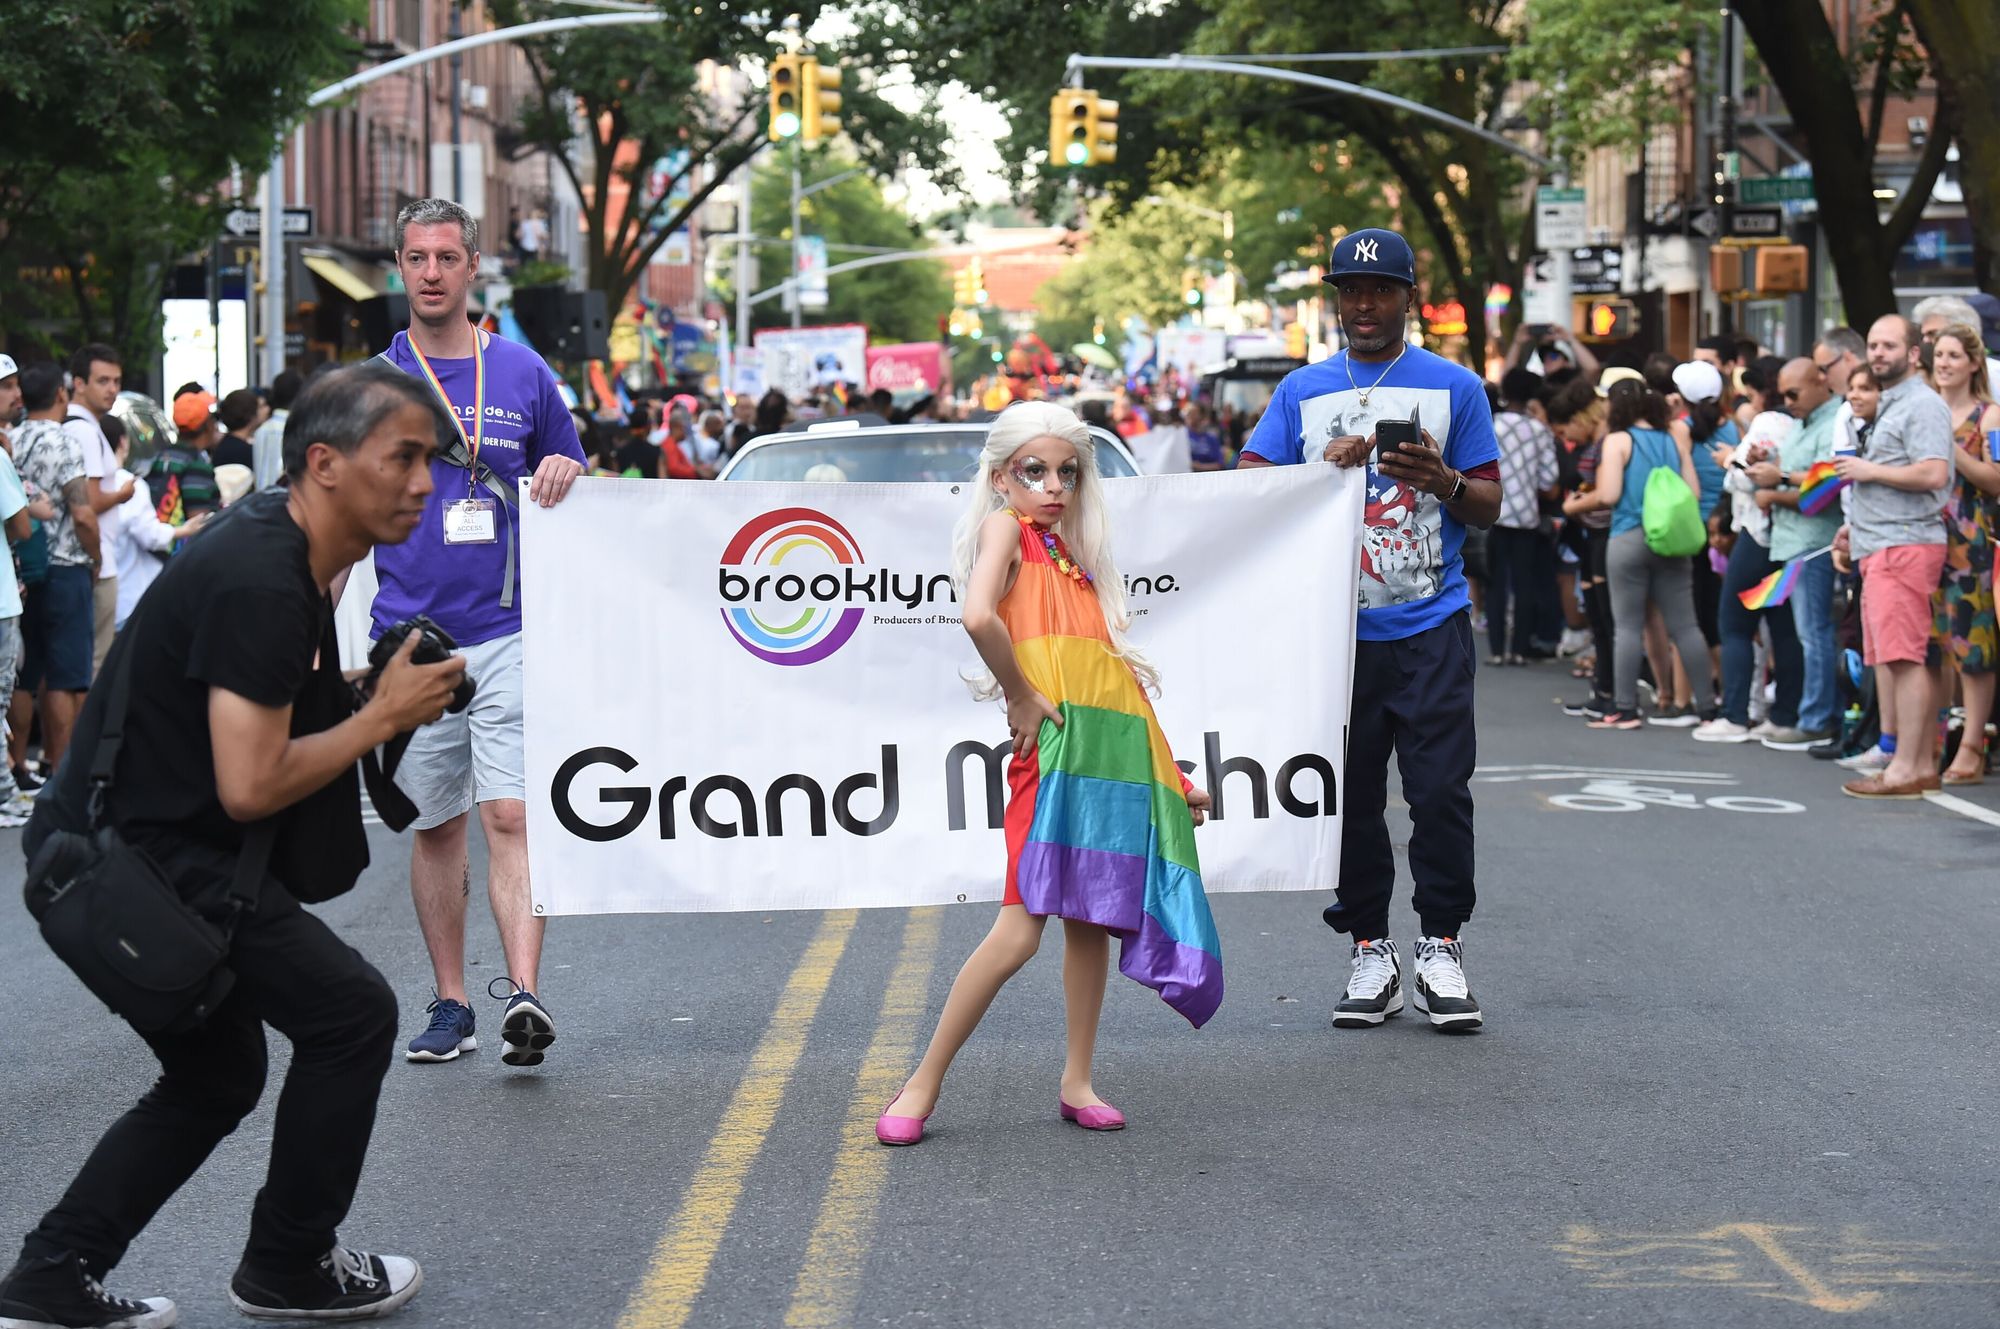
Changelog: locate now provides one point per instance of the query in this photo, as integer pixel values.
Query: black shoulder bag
(111, 914)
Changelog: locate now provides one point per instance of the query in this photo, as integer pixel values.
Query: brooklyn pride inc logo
(794, 587)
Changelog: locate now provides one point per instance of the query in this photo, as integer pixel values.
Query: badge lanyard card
(471, 520)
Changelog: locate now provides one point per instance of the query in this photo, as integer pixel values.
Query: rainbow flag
(1098, 827)
(1775, 589)
(1819, 488)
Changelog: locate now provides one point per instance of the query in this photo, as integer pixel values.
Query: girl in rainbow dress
(1100, 821)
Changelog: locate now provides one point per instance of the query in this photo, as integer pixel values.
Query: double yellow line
(829, 1280)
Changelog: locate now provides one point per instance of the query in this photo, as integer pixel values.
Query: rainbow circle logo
(808, 545)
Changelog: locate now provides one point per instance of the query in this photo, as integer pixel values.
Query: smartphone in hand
(1392, 434)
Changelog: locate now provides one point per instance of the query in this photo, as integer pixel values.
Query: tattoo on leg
(465, 887)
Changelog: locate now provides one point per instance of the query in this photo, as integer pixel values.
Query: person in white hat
(10, 399)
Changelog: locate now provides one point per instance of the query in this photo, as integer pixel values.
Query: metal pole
(272, 244)
(1725, 185)
(1561, 277)
(798, 311)
(452, 34)
(743, 278)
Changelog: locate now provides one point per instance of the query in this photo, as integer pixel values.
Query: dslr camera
(434, 646)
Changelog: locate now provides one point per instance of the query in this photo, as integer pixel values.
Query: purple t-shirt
(459, 585)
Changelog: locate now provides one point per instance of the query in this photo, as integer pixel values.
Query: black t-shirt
(637, 454)
(236, 609)
(232, 451)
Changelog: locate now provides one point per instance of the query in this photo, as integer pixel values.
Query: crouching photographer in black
(230, 795)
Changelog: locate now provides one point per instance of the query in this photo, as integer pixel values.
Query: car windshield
(878, 455)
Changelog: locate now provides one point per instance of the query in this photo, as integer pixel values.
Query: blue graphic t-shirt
(1412, 578)
(526, 420)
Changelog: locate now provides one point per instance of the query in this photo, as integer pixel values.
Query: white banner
(798, 360)
(763, 708)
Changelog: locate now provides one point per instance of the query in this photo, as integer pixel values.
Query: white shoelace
(1372, 971)
(1438, 962)
(349, 1266)
(110, 1300)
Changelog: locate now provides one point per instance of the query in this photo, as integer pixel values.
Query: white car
(835, 450)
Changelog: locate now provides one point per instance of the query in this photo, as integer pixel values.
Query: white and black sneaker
(345, 1285)
(1440, 990)
(60, 1294)
(1374, 987)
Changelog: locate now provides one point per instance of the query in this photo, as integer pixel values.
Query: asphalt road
(1739, 1068)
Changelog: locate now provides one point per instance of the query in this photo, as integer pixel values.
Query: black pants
(1414, 698)
(340, 1015)
(1597, 607)
(1514, 565)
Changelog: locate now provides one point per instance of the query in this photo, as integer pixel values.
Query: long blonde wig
(1083, 526)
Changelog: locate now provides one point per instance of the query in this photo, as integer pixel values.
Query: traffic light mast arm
(1196, 65)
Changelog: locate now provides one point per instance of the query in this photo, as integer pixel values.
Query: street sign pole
(798, 309)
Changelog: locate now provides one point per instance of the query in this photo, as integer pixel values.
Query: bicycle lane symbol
(1614, 790)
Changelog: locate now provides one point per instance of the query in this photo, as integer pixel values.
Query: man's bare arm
(76, 496)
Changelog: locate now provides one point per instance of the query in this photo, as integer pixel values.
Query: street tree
(120, 121)
(897, 301)
(1598, 63)
(646, 102)
(1964, 44)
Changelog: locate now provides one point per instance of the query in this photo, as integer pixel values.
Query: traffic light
(1191, 290)
(1295, 340)
(820, 105)
(968, 286)
(1104, 132)
(1070, 126)
(1610, 320)
(783, 74)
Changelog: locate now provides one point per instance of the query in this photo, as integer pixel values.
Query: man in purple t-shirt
(461, 568)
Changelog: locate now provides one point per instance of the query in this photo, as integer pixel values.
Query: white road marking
(1953, 803)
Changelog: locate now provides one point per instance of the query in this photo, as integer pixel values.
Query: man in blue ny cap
(1414, 657)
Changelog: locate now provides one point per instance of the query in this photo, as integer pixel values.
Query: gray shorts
(476, 755)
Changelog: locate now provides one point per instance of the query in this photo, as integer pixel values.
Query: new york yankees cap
(1372, 253)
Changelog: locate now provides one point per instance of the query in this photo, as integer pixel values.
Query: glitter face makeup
(1033, 474)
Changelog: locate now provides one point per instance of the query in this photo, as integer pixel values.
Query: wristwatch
(1457, 488)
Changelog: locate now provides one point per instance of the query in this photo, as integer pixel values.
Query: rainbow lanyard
(478, 434)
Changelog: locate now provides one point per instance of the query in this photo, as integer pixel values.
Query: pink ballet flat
(1096, 1117)
(900, 1130)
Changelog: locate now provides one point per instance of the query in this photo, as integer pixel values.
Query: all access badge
(471, 521)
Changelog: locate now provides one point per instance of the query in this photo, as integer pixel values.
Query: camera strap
(258, 840)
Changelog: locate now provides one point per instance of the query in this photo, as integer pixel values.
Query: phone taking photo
(1393, 434)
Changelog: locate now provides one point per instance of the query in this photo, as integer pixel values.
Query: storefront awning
(340, 277)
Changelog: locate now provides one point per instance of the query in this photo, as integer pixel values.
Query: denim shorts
(66, 627)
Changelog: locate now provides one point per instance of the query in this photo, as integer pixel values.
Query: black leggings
(1597, 608)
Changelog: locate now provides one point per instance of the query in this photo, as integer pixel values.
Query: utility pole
(798, 309)
(271, 238)
(453, 33)
(743, 277)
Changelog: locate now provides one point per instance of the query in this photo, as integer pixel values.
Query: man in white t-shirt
(96, 377)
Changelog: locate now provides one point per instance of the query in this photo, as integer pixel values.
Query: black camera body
(434, 646)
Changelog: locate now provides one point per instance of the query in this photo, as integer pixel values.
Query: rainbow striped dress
(1098, 828)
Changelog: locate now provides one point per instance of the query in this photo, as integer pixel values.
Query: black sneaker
(59, 1294)
(1592, 709)
(26, 780)
(1440, 990)
(527, 1029)
(345, 1285)
(1374, 987)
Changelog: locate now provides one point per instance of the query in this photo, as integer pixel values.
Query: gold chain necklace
(1348, 365)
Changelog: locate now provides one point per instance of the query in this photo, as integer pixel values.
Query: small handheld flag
(1819, 487)
(1774, 589)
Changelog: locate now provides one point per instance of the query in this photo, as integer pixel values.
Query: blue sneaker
(449, 1032)
(527, 1029)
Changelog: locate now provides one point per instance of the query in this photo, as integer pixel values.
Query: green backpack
(1672, 515)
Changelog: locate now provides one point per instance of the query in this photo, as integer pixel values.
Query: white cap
(1698, 380)
(7, 367)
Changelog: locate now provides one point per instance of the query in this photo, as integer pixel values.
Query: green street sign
(1775, 189)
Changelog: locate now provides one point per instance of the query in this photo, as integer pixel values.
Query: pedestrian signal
(1611, 320)
(784, 82)
(820, 104)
